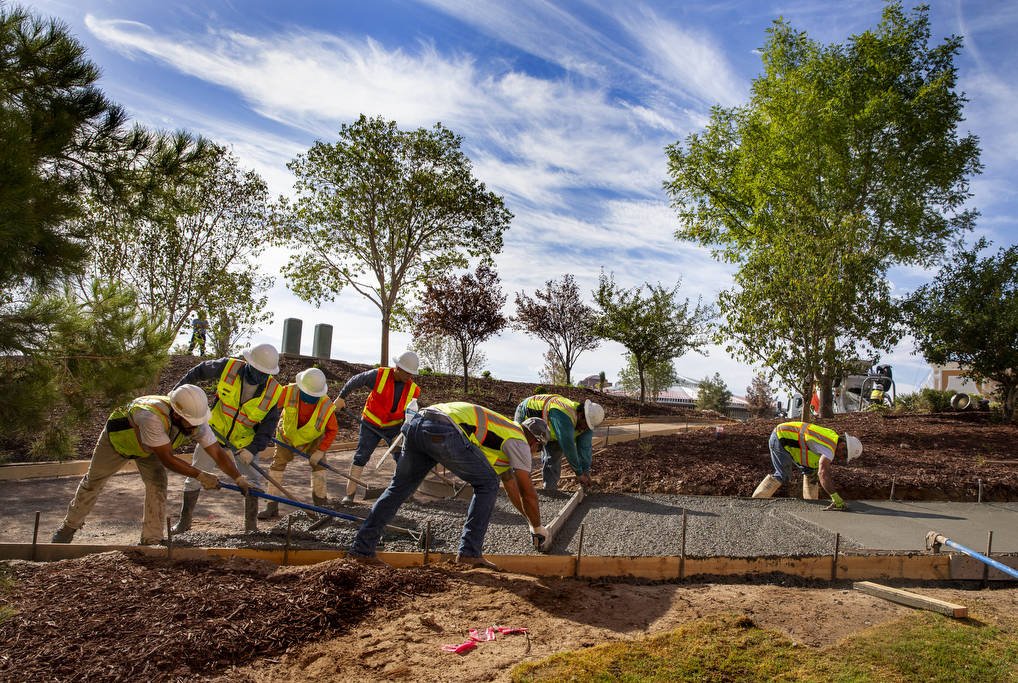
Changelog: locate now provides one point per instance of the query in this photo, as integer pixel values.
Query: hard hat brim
(256, 366)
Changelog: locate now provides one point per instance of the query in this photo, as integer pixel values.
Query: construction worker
(149, 426)
(479, 446)
(199, 332)
(789, 441)
(245, 416)
(571, 434)
(392, 389)
(308, 424)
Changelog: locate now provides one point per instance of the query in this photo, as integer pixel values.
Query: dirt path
(563, 614)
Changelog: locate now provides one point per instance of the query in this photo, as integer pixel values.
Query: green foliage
(658, 375)
(934, 400)
(426, 371)
(846, 161)
(907, 403)
(759, 397)
(713, 394)
(654, 327)
(399, 207)
(969, 315)
(442, 354)
(486, 374)
(552, 371)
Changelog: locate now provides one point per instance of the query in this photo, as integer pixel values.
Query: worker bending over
(812, 449)
(245, 416)
(392, 389)
(149, 426)
(309, 425)
(571, 434)
(480, 447)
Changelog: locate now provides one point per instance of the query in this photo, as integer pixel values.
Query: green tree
(552, 371)
(658, 376)
(385, 211)
(196, 249)
(653, 328)
(557, 316)
(847, 160)
(713, 394)
(441, 354)
(969, 316)
(759, 396)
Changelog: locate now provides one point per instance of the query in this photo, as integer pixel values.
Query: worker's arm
(585, 450)
(265, 430)
(564, 429)
(329, 435)
(203, 372)
(824, 474)
(520, 489)
(364, 379)
(172, 462)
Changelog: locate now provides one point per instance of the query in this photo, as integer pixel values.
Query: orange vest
(378, 407)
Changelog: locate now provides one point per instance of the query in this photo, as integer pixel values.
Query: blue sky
(565, 109)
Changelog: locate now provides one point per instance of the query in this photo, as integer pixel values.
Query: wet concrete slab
(887, 525)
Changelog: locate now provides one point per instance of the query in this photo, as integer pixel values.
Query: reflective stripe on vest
(310, 430)
(234, 421)
(127, 440)
(794, 437)
(485, 429)
(541, 405)
(378, 407)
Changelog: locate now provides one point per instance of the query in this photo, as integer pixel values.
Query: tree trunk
(807, 397)
(466, 366)
(643, 383)
(386, 314)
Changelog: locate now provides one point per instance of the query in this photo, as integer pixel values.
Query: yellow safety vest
(124, 433)
(541, 405)
(237, 422)
(484, 428)
(794, 437)
(310, 430)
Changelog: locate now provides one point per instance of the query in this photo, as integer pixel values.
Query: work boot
(320, 501)
(472, 561)
(271, 510)
(319, 492)
(186, 511)
(64, 534)
(351, 485)
(250, 514)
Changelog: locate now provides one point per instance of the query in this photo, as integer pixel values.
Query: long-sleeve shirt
(213, 369)
(304, 412)
(577, 450)
(368, 379)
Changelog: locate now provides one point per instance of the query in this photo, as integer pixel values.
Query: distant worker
(787, 444)
(149, 426)
(480, 447)
(571, 434)
(308, 424)
(245, 415)
(392, 389)
(199, 332)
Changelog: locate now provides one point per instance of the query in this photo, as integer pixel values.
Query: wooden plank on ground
(560, 519)
(44, 470)
(903, 597)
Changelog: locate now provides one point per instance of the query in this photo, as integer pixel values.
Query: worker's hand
(585, 480)
(207, 480)
(243, 484)
(835, 507)
(317, 456)
(245, 456)
(340, 403)
(541, 537)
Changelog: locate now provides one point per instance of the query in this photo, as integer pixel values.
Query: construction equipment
(369, 491)
(253, 464)
(935, 540)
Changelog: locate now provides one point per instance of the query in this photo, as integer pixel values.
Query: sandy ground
(564, 614)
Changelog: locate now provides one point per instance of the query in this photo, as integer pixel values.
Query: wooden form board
(903, 597)
(44, 470)
(555, 525)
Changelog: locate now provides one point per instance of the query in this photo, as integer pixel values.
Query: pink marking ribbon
(460, 649)
(505, 630)
(489, 634)
(476, 637)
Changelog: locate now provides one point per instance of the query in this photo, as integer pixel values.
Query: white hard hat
(263, 357)
(312, 382)
(407, 361)
(854, 446)
(191, 403)
(538, 428)
(592, 413)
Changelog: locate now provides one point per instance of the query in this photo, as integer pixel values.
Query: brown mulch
(119, 617)
(929, 456)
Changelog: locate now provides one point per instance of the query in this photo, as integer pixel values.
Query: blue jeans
(367, 441)
(782, 460)
(428, 442)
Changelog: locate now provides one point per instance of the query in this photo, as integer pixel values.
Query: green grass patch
(918, 647)
(6, 586)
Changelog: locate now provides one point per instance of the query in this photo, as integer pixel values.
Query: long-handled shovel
(369, 492)
(254, 465)
(417, 537)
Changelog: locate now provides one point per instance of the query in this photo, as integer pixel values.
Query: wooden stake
(834, 561)
(35, 536)
(286, 548)
(427, 542)
(891, 497)
(911, 599)
(979, 499)
(579, 553)
(682, 554)
(169, 538)
(986, 567)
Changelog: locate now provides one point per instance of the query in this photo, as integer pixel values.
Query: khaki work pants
(106, 462)
(282, 455)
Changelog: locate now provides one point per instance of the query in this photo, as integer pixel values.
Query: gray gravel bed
(614, 525)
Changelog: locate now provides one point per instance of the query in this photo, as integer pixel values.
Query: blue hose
(982, 558)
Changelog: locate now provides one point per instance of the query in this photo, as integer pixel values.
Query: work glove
(340, 403)
(834, 507)
(207, 480)
(317, 456)
(245, 456)
(541, 537)
(243, 484)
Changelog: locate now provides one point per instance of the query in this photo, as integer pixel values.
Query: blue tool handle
(295, 503)
(982, 558)
(302, 453)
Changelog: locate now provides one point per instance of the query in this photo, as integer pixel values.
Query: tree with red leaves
(467, 309)
(559, 317)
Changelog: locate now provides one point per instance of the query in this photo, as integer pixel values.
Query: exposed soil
(929, 457)
(114, 617)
